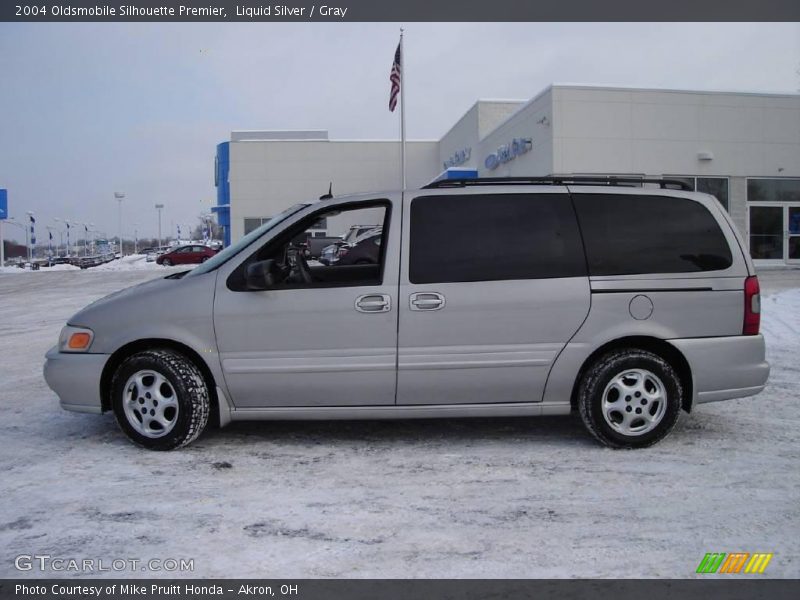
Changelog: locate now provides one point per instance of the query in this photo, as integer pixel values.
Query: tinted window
(716, 186)
(625, 235)
(773, 190)
(494, 237)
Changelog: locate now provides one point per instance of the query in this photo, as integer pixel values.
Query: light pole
(207, 219)
(158, 208)
(136, 238)
(120, 196)
(31, 237)
(68, 225)
(60, 236)
(50, 243)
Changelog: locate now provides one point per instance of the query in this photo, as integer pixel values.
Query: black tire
(190, 391)
(166, 262)
(598, 377)
(204, 259)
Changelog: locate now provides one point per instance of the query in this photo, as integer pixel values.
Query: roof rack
(566, 180)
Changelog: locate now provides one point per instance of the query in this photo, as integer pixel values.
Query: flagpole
(402, 111)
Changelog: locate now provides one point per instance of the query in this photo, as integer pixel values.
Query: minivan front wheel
(160, 399)
(630, 398)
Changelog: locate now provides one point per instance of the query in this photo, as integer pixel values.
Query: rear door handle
(374, 303)
(426, 301)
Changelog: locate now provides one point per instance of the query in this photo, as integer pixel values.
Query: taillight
(752, 306)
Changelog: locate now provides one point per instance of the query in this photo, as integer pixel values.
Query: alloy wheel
(634, 402)
(150, 403)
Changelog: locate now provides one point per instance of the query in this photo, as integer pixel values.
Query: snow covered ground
(452, 498)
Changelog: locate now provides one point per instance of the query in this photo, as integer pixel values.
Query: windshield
(234, 249)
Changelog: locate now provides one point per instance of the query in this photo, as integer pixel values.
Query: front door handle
(374, 303)
(426, 301)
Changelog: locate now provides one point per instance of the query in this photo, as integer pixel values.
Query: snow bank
(132, 262)
(63, 267)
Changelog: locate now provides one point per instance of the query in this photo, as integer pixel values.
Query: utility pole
(31, 237)
(3, 217)
(158, 208)
(119, 196)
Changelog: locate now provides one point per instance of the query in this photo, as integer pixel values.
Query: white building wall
(662, 132)
(462, 137)
(532, 120)
(481, 119)
(492, 113)
(268, 176)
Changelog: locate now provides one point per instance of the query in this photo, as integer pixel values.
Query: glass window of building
(253, 223)
(773, 190)
(716, 186)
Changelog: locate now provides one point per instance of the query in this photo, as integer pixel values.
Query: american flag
(394, 79)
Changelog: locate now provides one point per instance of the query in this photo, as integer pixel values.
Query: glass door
(793, 234)
(766, 233)
(775, 233)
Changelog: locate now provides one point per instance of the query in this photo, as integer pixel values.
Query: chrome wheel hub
(150, 403)
(634, 402)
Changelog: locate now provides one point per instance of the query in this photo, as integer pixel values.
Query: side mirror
(260, 275)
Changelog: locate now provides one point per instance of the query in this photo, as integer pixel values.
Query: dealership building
(744, 148)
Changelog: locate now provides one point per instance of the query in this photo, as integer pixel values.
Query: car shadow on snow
(564, 430)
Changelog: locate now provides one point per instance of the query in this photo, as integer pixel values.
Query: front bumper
(725, 367)
(75, 378)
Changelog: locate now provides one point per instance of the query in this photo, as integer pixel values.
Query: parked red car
(186, 255)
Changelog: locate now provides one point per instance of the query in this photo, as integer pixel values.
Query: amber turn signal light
(79, 341)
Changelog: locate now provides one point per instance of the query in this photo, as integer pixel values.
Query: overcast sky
(90, 109)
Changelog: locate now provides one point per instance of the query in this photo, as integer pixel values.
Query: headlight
(75, 339)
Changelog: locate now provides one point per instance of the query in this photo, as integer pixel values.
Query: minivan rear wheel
(160, 399)
(630, 398)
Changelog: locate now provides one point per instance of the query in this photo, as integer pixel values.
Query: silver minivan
(492, 297)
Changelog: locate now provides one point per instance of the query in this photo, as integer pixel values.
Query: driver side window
(332, 248)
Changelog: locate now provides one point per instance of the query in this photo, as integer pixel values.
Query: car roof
(490, 185)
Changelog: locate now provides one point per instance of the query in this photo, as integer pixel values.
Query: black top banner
(401, 10)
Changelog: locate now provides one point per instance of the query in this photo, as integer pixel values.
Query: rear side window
(630, 234)
(494, 237)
